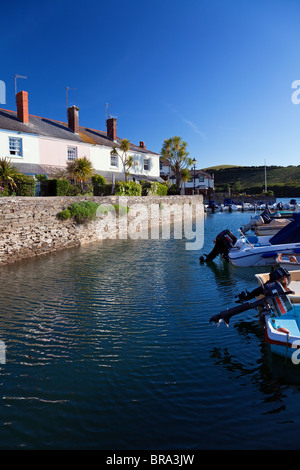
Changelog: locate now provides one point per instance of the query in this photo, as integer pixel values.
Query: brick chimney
(142, 145)
(111, 126)
(22, 106)
(73, 119)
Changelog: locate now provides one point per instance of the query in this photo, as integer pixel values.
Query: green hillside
(283, 181)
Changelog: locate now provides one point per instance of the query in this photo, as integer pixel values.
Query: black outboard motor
(266, 216)
(281, 274)
(224, 241)
(275, 300)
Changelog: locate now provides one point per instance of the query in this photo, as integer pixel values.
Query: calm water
(109, 347)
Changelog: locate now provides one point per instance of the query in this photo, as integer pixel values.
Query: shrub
(172, 191)
(128, 188)
(65, 214)
(40, 177)
(100, 187)
(55, 187)
(153, 188)
(83, 211)
(98, 179)
(25, 185)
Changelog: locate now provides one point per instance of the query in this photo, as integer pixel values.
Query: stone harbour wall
(31, 227)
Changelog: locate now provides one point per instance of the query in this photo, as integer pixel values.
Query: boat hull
(283, 344)
(260, 255)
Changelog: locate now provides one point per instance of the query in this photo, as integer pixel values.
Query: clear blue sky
(218, 73)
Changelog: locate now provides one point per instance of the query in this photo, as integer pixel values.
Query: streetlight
(194, 163)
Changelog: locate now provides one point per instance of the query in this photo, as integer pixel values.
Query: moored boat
(278, 313)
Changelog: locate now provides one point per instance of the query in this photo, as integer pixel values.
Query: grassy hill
(283, 181)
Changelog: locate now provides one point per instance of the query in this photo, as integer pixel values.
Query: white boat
(212, 207)
(289, 261)
(264, 250)
(282, 328)
(294, 284)
(278, 313)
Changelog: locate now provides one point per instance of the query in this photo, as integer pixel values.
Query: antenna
(265, 177)
(17, 76)
(107, 113)
(67, 89)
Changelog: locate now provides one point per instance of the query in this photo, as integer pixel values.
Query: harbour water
(109, 346)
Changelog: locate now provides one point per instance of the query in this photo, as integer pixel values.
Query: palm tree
(185, 175)
(8, 174)
(81, 170)
(174, 152)
(127, 160)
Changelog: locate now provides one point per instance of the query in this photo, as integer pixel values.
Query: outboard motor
(224, 241)
(275, 301)
(257, 220)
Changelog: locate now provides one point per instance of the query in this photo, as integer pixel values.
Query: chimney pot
(142, 145)
(22, 106)
(111, 126)
(73, 119)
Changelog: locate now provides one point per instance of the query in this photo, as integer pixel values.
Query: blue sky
(218, 73)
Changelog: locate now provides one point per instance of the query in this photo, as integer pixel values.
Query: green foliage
(40, 177)
(98, 179)
(174, 151)
(172, 190)
(7, 174)
(100, 187)
(281, 180)
(153, 188)
(25, 185)
(65, 214)
(118, 208)
(82, 212)
(128, 188)
(81, 169)
(127, 160)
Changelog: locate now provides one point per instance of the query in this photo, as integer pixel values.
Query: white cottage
(38, 145)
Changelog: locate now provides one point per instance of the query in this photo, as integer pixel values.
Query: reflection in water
(109, 346)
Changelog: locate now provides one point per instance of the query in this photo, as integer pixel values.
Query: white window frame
(71, 154)
(114, 161)
(146, 164)
(15, 145)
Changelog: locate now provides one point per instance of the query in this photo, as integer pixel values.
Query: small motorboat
(212, 207)
(278, 314)
(264, 250)
(263, 224)
(294, 283)
(289, 261)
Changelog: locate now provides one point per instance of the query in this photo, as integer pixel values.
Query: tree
(174, 152)
(81, 170)
(127, 160)
(8, 174)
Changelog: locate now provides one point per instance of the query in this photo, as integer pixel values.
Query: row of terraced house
(38, 145)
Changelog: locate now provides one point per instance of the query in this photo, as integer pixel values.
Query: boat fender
(283, 330)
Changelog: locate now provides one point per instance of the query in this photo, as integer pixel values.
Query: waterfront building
(39, 145)
(200, 182)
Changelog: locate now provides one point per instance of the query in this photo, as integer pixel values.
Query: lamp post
(194, 163)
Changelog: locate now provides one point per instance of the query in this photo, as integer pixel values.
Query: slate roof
(60, 130)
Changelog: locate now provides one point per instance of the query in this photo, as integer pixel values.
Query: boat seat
(288, 323)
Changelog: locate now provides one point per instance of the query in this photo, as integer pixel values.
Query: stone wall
(30, 226)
